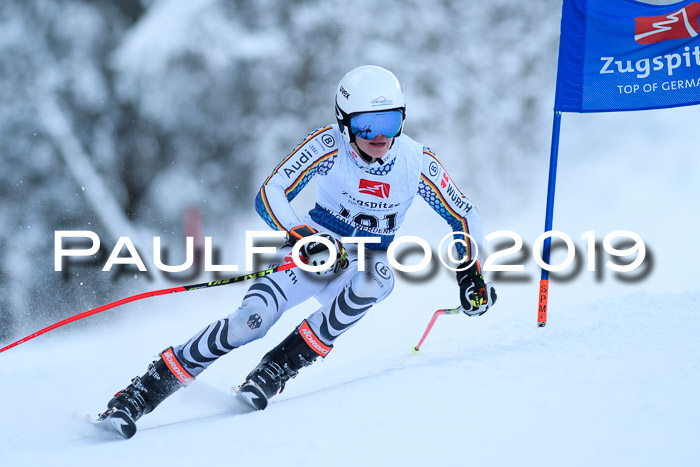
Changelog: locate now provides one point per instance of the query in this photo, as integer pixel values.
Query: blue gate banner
(626, 55)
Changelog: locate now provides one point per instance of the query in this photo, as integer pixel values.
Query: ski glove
(475, 295)
(316, 253)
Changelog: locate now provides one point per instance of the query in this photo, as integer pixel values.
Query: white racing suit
(354, 198)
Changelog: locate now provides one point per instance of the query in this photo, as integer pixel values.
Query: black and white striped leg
(205, 347)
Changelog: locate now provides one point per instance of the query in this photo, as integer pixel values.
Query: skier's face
(376, 147)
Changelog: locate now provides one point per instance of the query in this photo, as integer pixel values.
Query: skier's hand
(299, 232)
(316, 253)
(475, 295)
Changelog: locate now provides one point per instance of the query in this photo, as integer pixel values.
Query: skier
(369, 173)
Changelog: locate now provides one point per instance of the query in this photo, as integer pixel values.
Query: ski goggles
(368, 125)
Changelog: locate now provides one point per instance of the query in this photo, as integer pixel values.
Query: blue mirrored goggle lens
(369, 125)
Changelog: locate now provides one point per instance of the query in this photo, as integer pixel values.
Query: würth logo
(379, 189)
(681, 24)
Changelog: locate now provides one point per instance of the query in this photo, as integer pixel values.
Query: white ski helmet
(367, 89)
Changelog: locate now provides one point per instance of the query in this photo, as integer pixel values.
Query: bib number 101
(368, 220)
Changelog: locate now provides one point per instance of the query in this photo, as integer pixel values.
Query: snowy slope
(610, 384)
(612, 379)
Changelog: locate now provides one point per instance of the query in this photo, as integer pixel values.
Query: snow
(607, 384)
(611, 380)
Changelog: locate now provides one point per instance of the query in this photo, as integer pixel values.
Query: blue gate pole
(546, 249)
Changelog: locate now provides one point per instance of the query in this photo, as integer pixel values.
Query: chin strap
(366, 157)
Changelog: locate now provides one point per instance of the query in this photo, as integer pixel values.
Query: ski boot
(164, 376)
(301, 348)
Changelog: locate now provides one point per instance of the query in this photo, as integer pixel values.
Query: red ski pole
(133, 298)
(450, 311)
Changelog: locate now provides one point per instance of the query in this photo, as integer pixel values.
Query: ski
(115, 420)
(251, 394)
